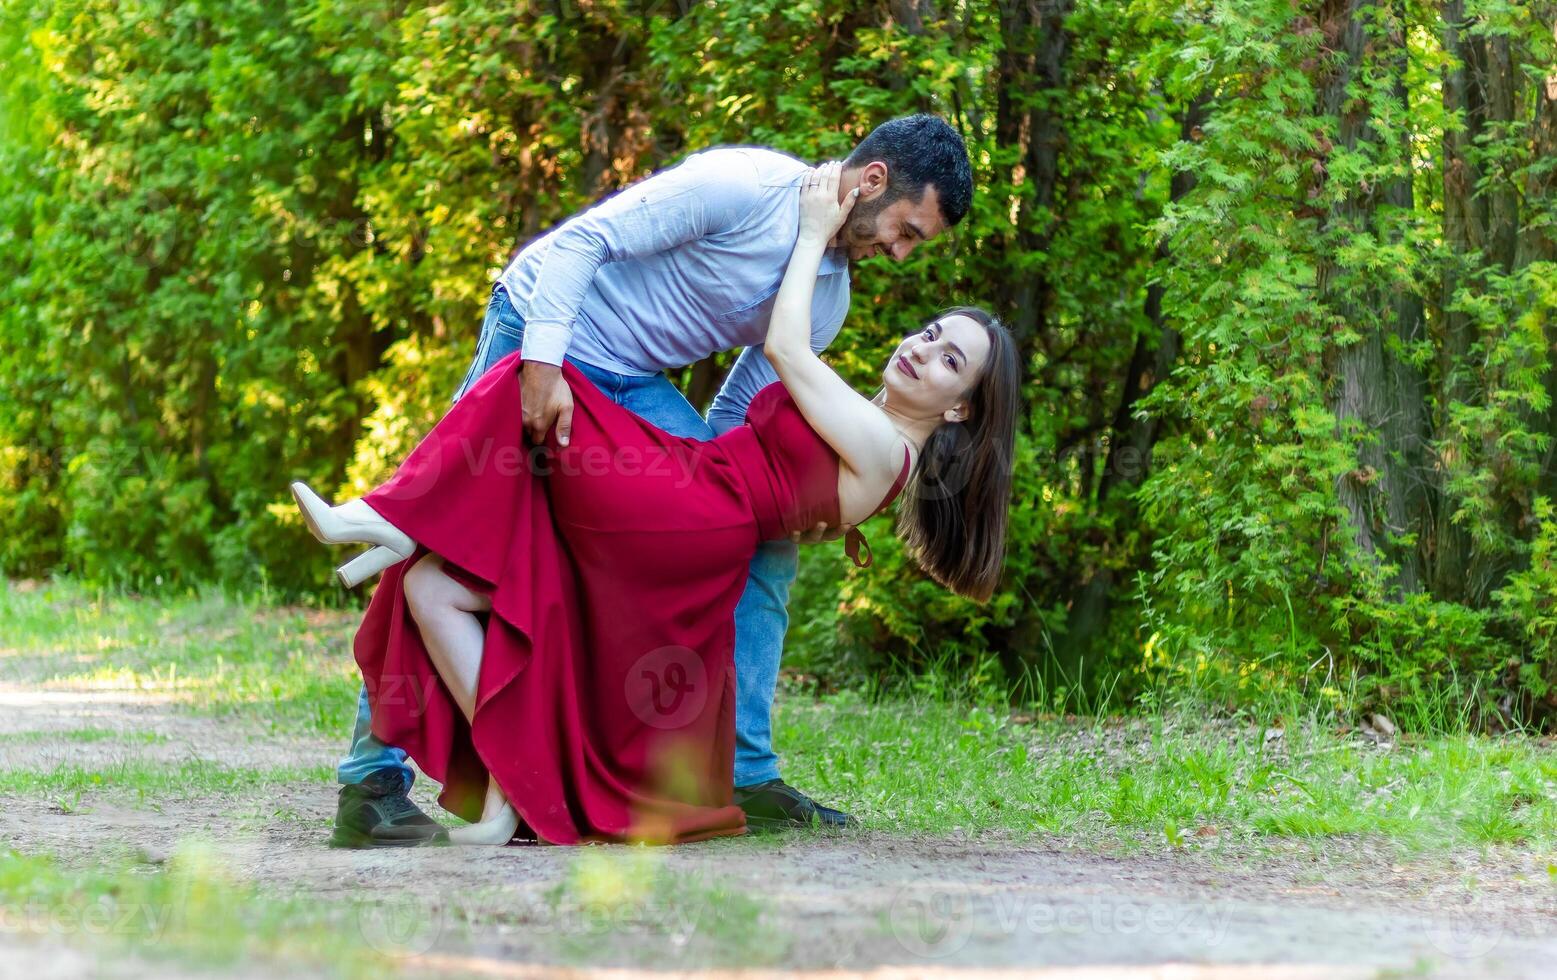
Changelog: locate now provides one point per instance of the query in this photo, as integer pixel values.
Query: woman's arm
(858, 431)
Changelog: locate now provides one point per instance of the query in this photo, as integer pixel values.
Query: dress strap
(854, 542)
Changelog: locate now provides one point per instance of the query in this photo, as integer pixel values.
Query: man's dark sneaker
(776, 805)
(377, 813)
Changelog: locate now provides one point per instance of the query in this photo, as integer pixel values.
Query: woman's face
(932, 371)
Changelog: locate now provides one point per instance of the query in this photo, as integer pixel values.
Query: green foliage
(1360, 410)
(1284, 289)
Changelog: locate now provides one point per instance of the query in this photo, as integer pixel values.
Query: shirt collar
(834, 260)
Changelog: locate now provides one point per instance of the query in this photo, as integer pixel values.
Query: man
(676, 267)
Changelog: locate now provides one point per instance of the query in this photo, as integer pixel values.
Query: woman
(558, 652)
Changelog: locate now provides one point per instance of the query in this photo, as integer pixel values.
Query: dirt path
(872, 902)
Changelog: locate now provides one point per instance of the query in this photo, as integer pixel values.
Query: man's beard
(862, 224)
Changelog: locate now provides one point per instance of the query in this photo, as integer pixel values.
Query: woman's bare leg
(445, 613)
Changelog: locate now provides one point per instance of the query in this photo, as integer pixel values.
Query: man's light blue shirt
(682, 264)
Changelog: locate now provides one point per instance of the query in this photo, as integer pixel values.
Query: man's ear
(873, 178)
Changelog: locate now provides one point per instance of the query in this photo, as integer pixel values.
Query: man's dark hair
(920, 151)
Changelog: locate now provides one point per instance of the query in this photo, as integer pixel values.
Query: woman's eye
(951, 362)
(929, 333)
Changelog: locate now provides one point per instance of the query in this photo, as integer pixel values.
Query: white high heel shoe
(368, 564)
(495, 831)
(354, 521)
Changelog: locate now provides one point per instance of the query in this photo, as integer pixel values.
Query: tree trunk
(1384, 496)
(1412, 481)
(1538, 243)
(1031, 77)
(1481, 228)
(1131, 439)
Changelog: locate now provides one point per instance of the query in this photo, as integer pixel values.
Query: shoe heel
(368, 564)
(492, 832)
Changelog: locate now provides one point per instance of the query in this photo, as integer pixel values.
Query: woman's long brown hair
(953, 516)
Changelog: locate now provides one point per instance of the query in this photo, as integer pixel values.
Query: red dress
(606, 703)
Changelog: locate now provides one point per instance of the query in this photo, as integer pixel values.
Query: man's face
(895, 229)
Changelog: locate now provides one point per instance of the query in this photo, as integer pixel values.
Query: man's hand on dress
(548, 402)
(821, 533)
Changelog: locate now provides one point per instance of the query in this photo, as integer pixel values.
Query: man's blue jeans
(761, 618)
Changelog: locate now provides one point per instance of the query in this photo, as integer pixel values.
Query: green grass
(191, 910)
(608, 907)
(934, 757)
(87, 735)
(936, 768)
(288, 667)
(612, 902)
(928, 762)
(183, 780)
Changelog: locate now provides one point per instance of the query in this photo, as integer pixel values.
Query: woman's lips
(906, 368)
